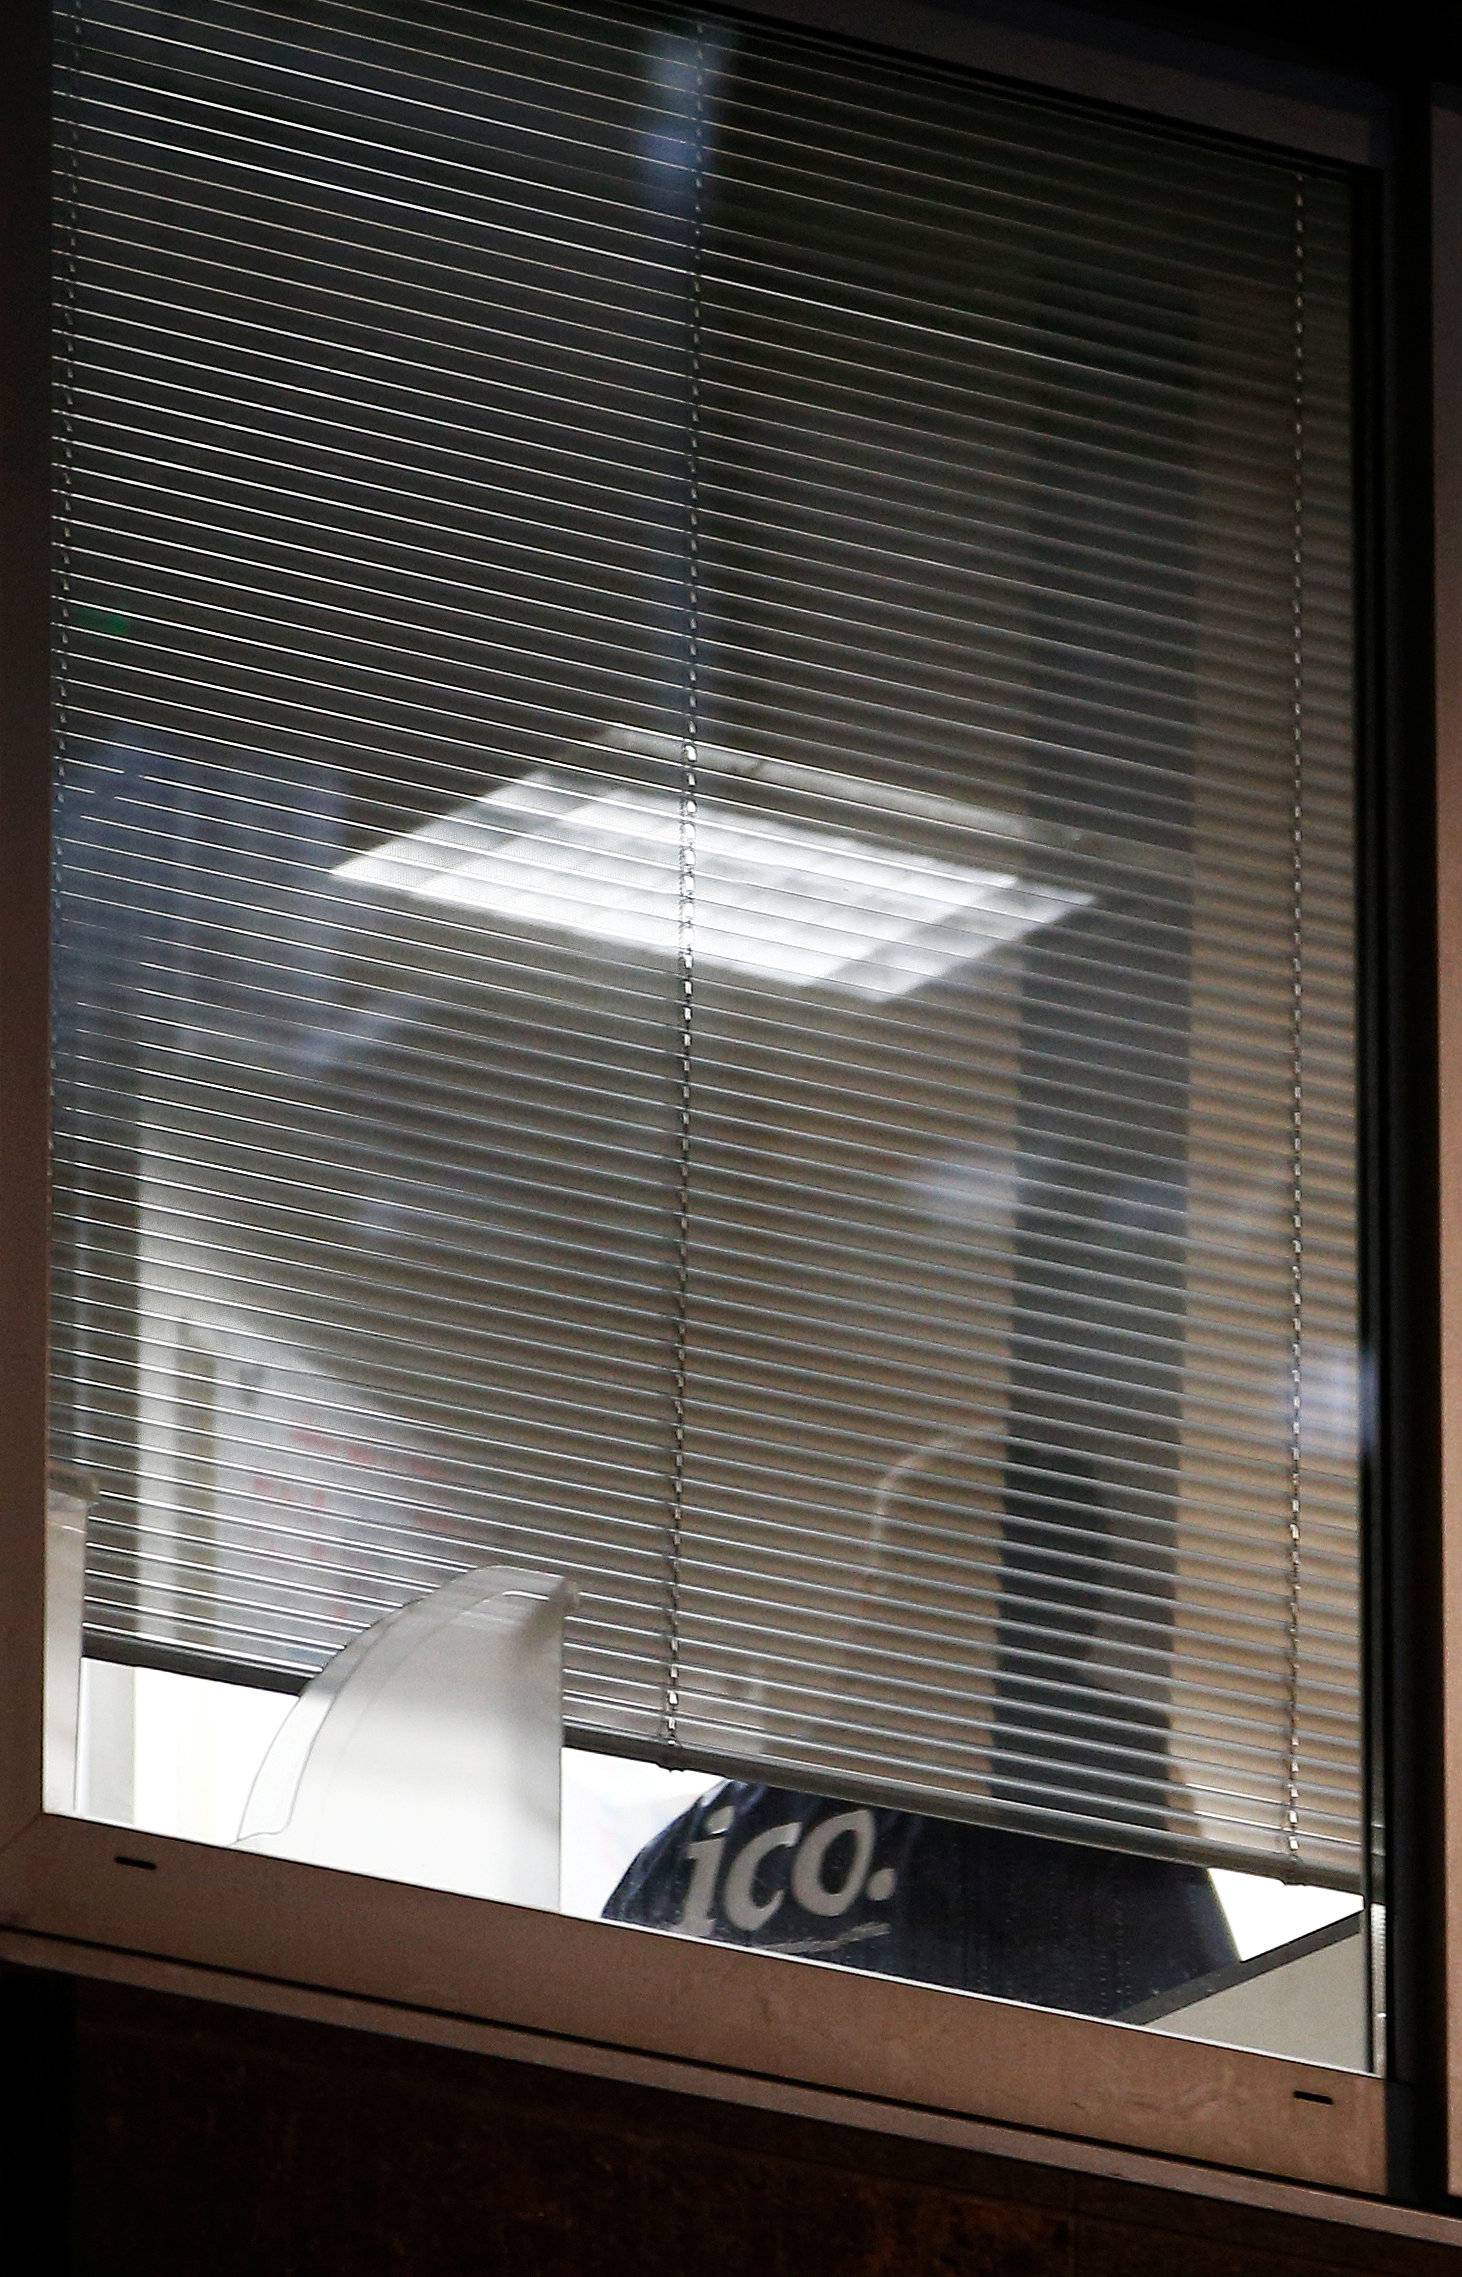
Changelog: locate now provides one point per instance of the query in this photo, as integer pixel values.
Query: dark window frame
(50, 1860)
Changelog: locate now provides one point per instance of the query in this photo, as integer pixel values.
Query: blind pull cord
(670, 1721)
(1297, 1289)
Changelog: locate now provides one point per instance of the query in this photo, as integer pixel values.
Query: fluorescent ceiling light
(791, 902)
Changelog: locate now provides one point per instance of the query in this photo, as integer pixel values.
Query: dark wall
(184, 2137)
(1393, 45)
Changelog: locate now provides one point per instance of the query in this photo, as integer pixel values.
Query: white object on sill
(69, 1497)
(428, 1751)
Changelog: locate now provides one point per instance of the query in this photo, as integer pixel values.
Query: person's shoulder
(654, 1866)
(731, 1813)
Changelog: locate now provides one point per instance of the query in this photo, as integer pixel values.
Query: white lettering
(741, 1908)
(808, 1886)
(696, 1916)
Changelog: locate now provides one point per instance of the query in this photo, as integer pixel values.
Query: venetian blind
(704, 896)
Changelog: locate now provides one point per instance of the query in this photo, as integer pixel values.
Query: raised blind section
(704, 897)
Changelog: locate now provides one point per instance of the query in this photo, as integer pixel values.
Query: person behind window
(980, 1907)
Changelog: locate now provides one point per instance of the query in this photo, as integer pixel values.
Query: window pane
(705, 986)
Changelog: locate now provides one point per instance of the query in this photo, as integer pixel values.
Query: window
(705, 1004)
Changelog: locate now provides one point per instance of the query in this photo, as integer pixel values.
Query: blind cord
(670, 1722)
(1297, 1289)
(67, 290)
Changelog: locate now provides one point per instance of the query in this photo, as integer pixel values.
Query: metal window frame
(637, 2003)
(1442, 1665)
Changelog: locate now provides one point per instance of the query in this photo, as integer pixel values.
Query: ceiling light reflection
(780, 901)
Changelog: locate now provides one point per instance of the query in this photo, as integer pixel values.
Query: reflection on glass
(773, 899)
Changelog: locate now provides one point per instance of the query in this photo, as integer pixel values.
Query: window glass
(704, 1042)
